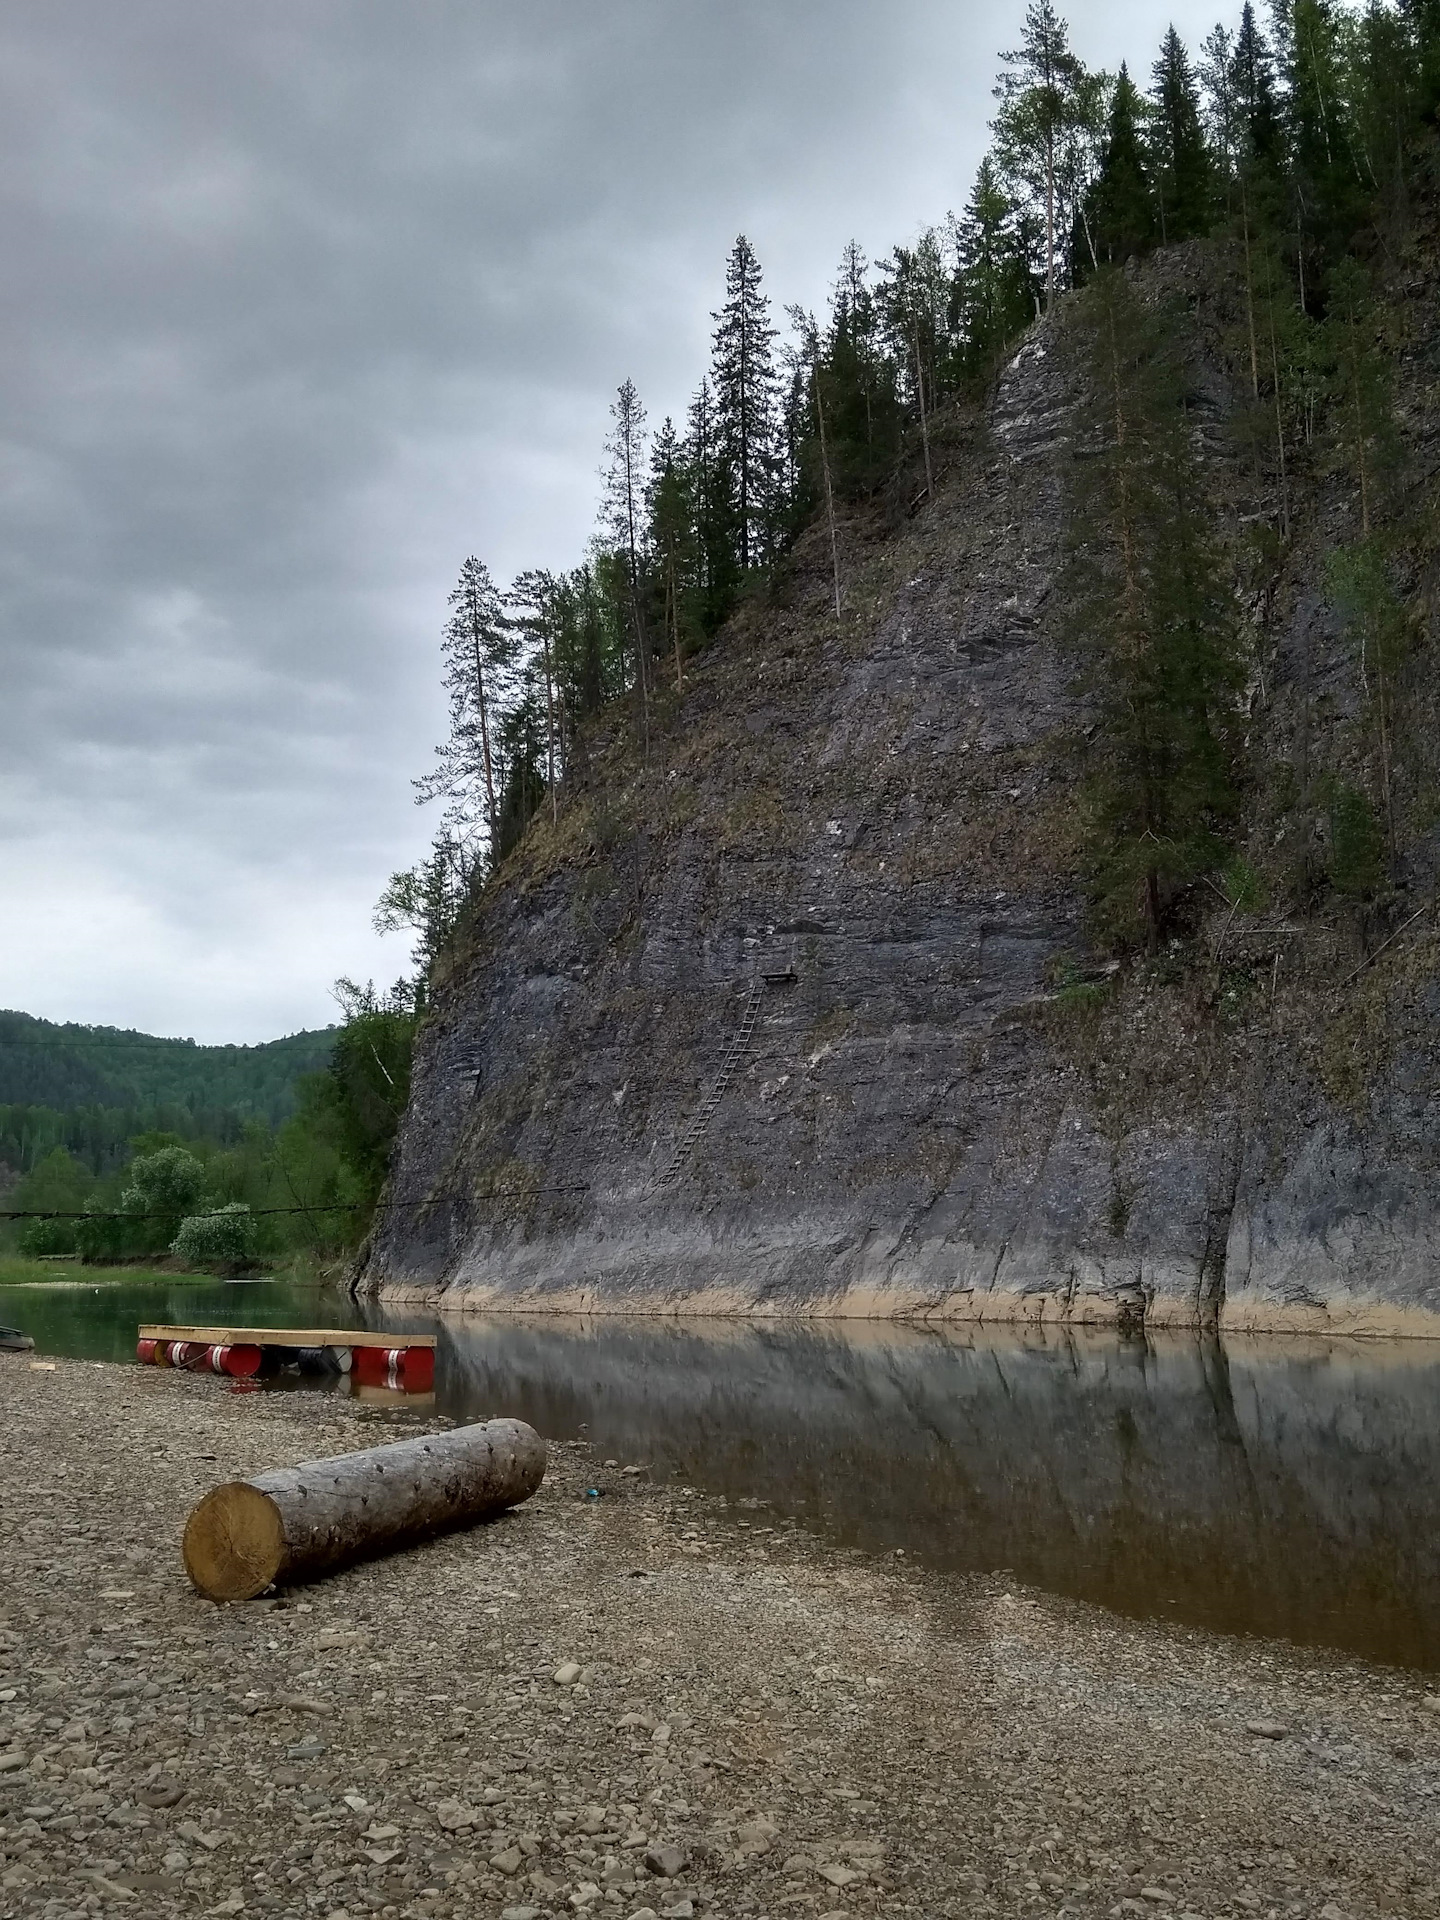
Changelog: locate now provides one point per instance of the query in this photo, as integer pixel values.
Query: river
(1282, 1487)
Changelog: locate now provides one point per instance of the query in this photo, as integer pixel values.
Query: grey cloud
(305, 300)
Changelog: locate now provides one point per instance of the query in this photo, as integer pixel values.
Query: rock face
(800, 1017)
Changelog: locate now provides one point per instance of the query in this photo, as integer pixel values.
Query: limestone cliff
(801, 1016)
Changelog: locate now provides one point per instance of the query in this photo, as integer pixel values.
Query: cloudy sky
(303, 300)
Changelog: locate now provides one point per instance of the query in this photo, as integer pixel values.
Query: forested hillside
(965, 838)
(290, 1138)
(91, 1089)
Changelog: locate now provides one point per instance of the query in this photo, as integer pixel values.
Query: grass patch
(16, 1270)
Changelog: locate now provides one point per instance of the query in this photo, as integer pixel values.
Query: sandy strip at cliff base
(759, 1725)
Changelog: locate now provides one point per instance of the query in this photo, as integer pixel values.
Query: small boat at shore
(12, 1340)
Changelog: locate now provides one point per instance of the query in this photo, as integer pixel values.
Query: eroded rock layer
(800, 1015)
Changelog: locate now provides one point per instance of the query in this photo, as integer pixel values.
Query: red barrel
(410, 1369)
(240, 1363)
(146, 1352)
(189, 1353)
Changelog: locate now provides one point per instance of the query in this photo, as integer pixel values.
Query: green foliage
(1242, 886)
(226, 1238)
(1184, 169)
(1120, 211)
(1357, 846)
(125, 1080)
(361, 1099)
(1151, 618)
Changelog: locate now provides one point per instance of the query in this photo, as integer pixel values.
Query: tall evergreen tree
(1184, 173)
(623, 518)
(711, 487)
(1252, 85)
(858, 378)
(478, 651)
(1120, 210)
(744, 383)
(1152, 614)
(534, 603)
(672, 541)
(996, 287)
(1042, 110)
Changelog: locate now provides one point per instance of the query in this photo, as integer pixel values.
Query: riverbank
(789, 1728)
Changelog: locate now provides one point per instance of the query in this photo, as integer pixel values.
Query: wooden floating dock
(287, 1337)
(404, 1361)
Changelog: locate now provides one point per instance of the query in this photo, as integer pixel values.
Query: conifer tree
(861, 408)
(710, 484)
(1152, 616)
(623, 512)
(672, 540)
(1252, 86)
(743, 382)
(478, 650)
(1184, 173)
(1042, 110)
(1121, 208)
(534, 601)
(995, 285)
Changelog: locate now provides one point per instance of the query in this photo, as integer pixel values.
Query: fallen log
(299, 1522)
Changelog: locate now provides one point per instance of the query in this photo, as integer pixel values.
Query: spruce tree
(1152, 615)
(858, 378)
(1184, 173)
(710, 482)
(743, 382)
(533, 601)
(1252, 85)
(995, 284)
(1120, 207)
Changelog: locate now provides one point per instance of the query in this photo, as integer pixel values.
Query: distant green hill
(92, 1088)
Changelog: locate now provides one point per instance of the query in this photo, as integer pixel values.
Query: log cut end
(234, 1544)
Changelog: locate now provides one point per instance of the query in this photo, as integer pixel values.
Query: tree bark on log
(298, 1522)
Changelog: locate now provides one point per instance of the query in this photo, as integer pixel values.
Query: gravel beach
(625, 1698)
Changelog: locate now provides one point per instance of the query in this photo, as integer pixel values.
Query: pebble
(567, 1673)
(1267, 1729)
(466, 1751)
(837, 1875)
(666, 1861)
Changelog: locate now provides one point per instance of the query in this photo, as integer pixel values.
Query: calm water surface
(1281, 1487)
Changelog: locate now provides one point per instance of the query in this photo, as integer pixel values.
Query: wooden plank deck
(286, 1337)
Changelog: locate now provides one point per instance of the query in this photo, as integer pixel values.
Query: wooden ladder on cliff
(739, 1049)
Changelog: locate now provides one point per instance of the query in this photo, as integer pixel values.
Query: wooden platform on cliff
(287, 1337)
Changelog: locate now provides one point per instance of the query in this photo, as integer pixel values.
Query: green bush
(43, 1237)
(1357, 846)
(226, 1238)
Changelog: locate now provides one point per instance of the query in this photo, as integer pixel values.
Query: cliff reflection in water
(1281, 1487)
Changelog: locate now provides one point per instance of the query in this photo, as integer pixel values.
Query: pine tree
(744, 385)
(1042, 108)
(995, 285)
(1152, 615)
(1121, 212)
(622, 515)
(1184, 173)
(478, 650)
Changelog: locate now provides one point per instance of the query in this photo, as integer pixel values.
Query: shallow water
(1281, 1487)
